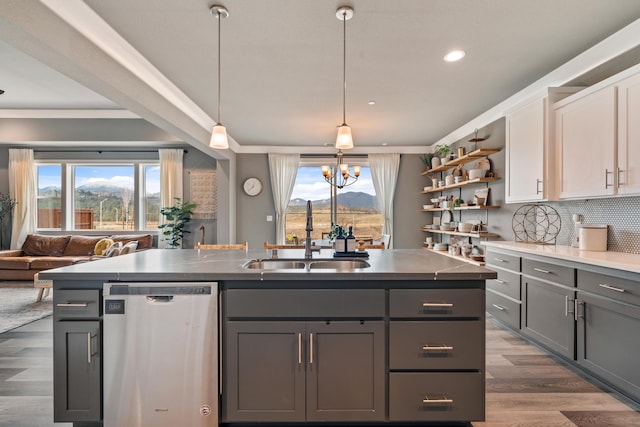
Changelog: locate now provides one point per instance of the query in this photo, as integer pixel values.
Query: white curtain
(22, 188)
(384, 174)
(283, 169)
(170, 181)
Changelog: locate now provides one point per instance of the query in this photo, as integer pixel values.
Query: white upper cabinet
(530, 165)
(586, 143)
(525, 171)
(628, 169)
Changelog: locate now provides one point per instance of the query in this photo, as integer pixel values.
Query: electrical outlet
(269, 218)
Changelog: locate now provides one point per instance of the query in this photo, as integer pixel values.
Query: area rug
(18, 307)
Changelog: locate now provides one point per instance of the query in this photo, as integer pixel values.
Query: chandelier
(340, 176)
(344, 138)
(219, 138)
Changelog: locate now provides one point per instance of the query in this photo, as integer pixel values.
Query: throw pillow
(129, 248)
(80, 245)
(41, 245)
(102, 246)
(114, 249)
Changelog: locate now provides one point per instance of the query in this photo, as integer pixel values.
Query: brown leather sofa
(43, 252)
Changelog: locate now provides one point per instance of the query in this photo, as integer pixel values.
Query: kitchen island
(401, 340)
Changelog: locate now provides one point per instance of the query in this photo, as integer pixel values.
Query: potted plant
(6, 207)
(426, 159)
(176, 218)
(444, 152)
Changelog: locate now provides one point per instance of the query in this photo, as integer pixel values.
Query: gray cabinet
(77, 365)
(548, 305)
(300, 369)
(608, 321)
(436, 355)
(504, 295)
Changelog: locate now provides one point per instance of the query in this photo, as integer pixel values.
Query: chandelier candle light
(340, 176)
(219, 138)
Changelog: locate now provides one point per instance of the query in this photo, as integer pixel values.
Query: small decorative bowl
(427, 206)
(440, 247)
(435, 227)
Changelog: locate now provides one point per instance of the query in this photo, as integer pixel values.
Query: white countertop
(618, 260)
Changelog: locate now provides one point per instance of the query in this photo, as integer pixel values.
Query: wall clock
(252, 186)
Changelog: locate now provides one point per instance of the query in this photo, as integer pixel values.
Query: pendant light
(219, 138)
(344, 139)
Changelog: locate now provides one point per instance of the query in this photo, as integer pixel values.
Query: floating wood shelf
(481, 235)
(462, 208)
(467, 158)
(461, 184)
(458, 257)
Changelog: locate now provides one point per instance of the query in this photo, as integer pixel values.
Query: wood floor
(525, 386)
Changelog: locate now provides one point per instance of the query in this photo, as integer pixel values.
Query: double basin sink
(306, 264)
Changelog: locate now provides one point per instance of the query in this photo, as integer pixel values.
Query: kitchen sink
(275, 264)
(339, 264)
(304, 264)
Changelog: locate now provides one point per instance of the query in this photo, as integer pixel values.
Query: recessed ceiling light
(454, 55)
(384, 144)
(371, 102)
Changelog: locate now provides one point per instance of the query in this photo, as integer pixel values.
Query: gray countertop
(190, 264)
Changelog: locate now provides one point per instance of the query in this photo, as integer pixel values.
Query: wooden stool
(43, 285)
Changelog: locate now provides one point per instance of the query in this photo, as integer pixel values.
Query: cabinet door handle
(576, 305)
(538, 182)
(502, 282)
(541, 270)
(606, 179)
(499, 307)
(613, 288)
(436, 304)
(72, 304)
(500, 260)
(619, 171)
(311, 348)
(299, 348)
(89, 352)
(427, 400)
(437, 347)
(568, 300)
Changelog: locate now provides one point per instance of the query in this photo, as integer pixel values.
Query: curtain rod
(100, 151)
(311, 156)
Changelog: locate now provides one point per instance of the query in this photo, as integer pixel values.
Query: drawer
(507, 283)
(436, 396)
(504, 309)
(426, 303)
(430, 345)
(624, 290)
(304, 303)
(551, 272)
(77, 303)
(496, 259)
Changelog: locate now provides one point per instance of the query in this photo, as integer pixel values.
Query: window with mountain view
(356, 205)
(102, 196)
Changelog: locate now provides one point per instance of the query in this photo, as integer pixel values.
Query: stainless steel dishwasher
(160, 354)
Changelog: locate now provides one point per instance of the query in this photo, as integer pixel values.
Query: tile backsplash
(621, 214)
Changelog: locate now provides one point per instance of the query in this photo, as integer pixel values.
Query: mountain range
(350, 199)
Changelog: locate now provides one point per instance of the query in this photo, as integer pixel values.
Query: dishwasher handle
(159, 298)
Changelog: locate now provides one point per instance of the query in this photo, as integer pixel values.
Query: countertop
(617, 260)
(191, 264)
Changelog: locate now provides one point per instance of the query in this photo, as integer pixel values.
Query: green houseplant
(443, 151)
(6, 207)
(176, 218)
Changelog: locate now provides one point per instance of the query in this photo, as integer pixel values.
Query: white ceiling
(282, 62)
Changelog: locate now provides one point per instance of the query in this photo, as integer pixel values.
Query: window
(104, 196)
(356, 205)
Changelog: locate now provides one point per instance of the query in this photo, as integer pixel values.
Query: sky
(121, 176)
(310, 184)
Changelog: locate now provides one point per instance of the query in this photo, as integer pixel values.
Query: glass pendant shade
(344, 139)
(219, 137)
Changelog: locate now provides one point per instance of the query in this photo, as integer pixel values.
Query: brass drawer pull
(73, 304)
(437, 304)
(541, 270)
(426, 400)
(499, 307)
(613, 288)
(437, 348)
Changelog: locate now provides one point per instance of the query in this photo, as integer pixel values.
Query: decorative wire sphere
(536, 223)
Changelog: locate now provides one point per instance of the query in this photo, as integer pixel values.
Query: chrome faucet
(308, 251)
